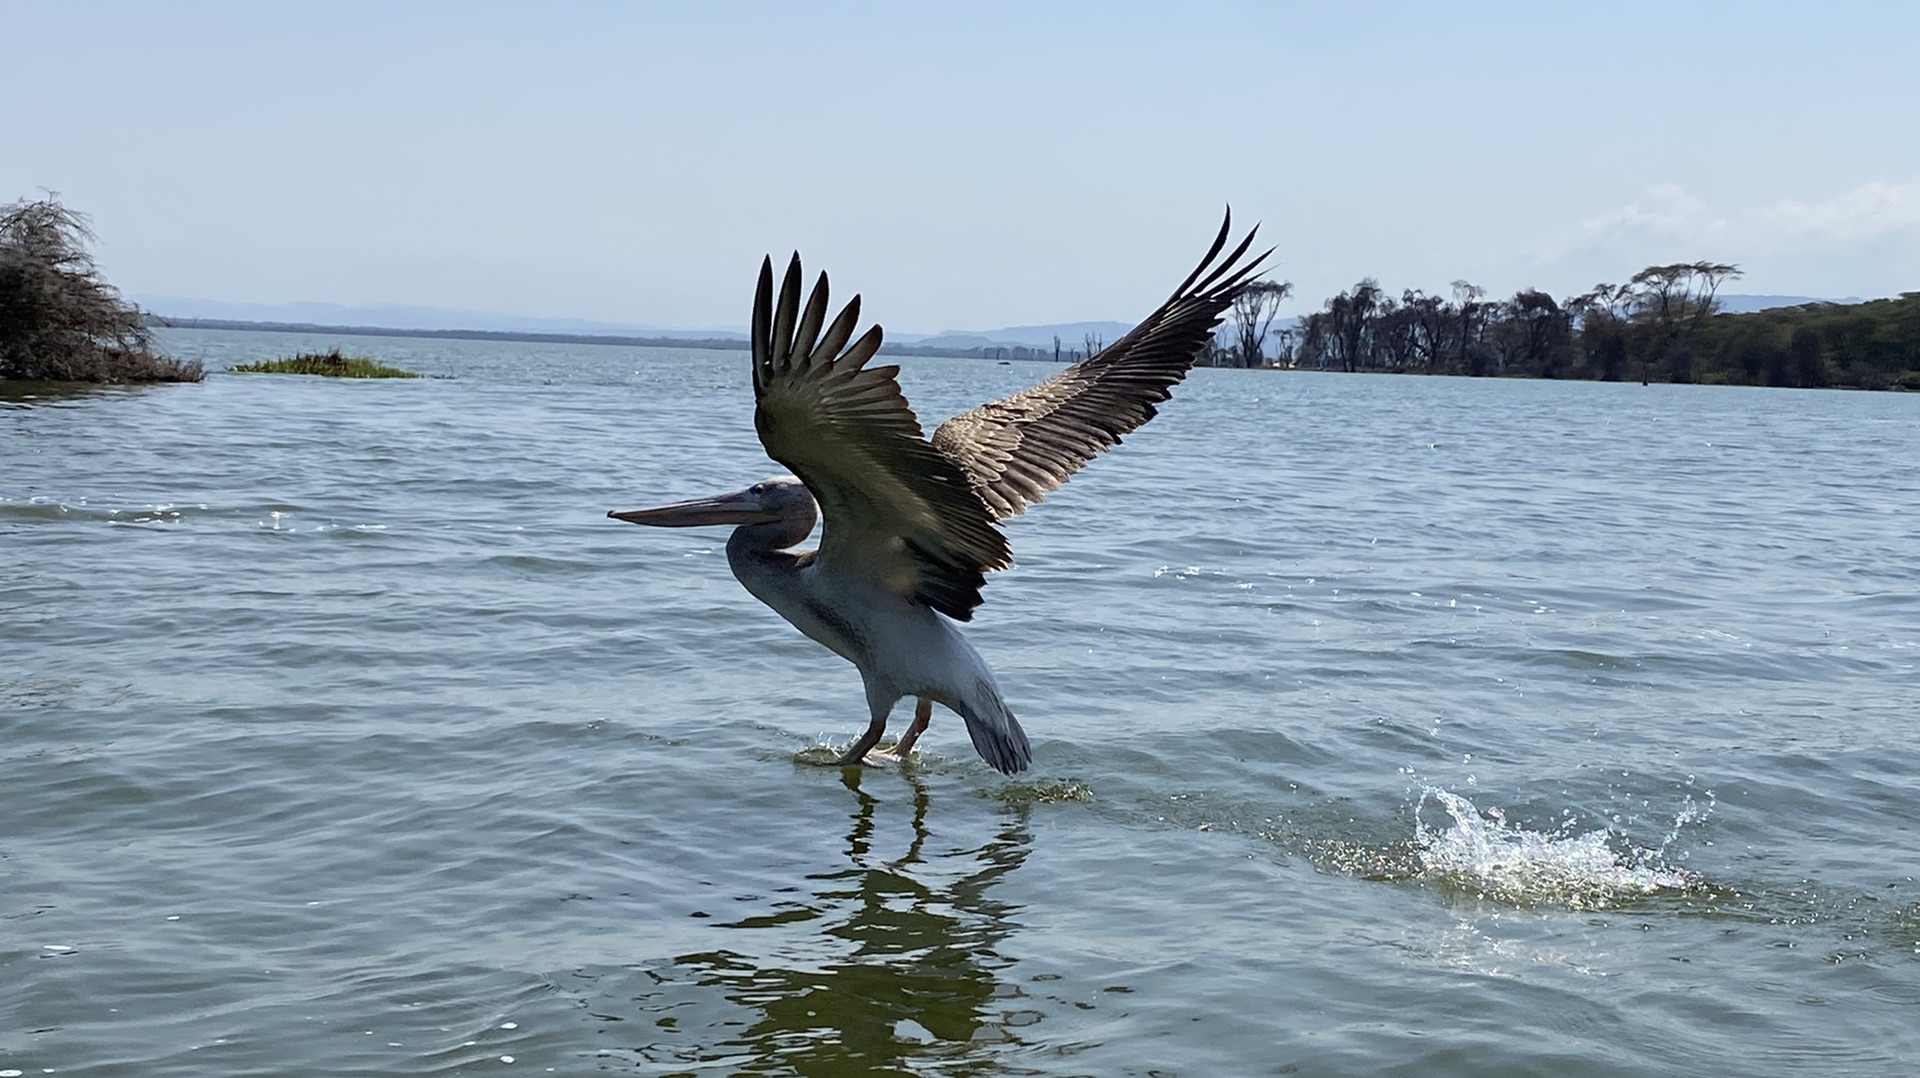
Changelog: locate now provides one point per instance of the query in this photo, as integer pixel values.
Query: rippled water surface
(1381, 726)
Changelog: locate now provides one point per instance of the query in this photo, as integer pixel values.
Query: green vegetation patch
(328, 364)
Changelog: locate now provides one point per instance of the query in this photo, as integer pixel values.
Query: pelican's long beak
(740, 507)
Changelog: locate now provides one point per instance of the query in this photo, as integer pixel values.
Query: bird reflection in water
(895, 969)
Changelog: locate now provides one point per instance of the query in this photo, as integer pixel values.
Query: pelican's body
(901, 647)
(910, 522)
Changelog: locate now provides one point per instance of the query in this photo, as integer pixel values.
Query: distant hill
(386, 316)
(1739, 304)
(1071, 334)
(951, 340)
(732, 343)
(443, 319)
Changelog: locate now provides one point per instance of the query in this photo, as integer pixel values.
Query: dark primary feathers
(895, 508)
(1016, 450)
(919, 516)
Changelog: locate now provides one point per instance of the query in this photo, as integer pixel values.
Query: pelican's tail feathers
(997, 735)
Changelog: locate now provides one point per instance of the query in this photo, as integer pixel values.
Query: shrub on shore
(59, 320)
(327, 364)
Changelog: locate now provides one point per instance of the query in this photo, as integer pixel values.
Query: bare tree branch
(59, 320)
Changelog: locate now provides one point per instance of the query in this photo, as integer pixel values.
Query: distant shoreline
(727, 344)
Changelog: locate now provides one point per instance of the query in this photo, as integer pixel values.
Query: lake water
(1381, 726)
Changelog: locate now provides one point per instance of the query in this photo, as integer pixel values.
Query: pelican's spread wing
(1015, 450)
(895, 507)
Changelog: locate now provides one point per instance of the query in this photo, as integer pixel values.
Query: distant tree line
(59, 320)
(1663, 325)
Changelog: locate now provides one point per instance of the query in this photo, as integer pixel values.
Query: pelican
(910, 521)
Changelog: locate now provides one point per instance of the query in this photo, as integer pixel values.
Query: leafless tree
(60, 321)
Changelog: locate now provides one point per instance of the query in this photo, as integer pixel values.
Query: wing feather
(1016, 450)
(896, 509)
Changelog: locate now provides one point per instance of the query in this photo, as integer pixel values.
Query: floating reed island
(328, 364)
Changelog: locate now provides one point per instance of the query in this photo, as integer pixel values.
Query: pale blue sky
(963, 166)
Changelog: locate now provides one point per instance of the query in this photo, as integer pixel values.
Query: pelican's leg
(922, 715)
(857, 752)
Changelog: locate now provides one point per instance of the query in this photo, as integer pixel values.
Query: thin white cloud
(1668, 214)
(1865, 240)
(1867, 212)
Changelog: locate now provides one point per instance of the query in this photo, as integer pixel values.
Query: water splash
(1484, 855)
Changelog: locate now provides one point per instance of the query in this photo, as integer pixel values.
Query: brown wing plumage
(1013, 451)
(894, 506)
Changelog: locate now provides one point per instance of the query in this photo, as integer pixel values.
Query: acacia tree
(1312, 346)
(1396, 335)
(1343, 332)
(1254, 308)
(1472, 318)
(60, 321)
(1530, 334)
(1673, 301)
(1339, 319)
(1286, 341)
(1433, 323)
(1601, 315)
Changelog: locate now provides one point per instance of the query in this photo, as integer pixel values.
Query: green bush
(328, 364)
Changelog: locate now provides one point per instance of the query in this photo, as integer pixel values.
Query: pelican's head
(780, 500)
